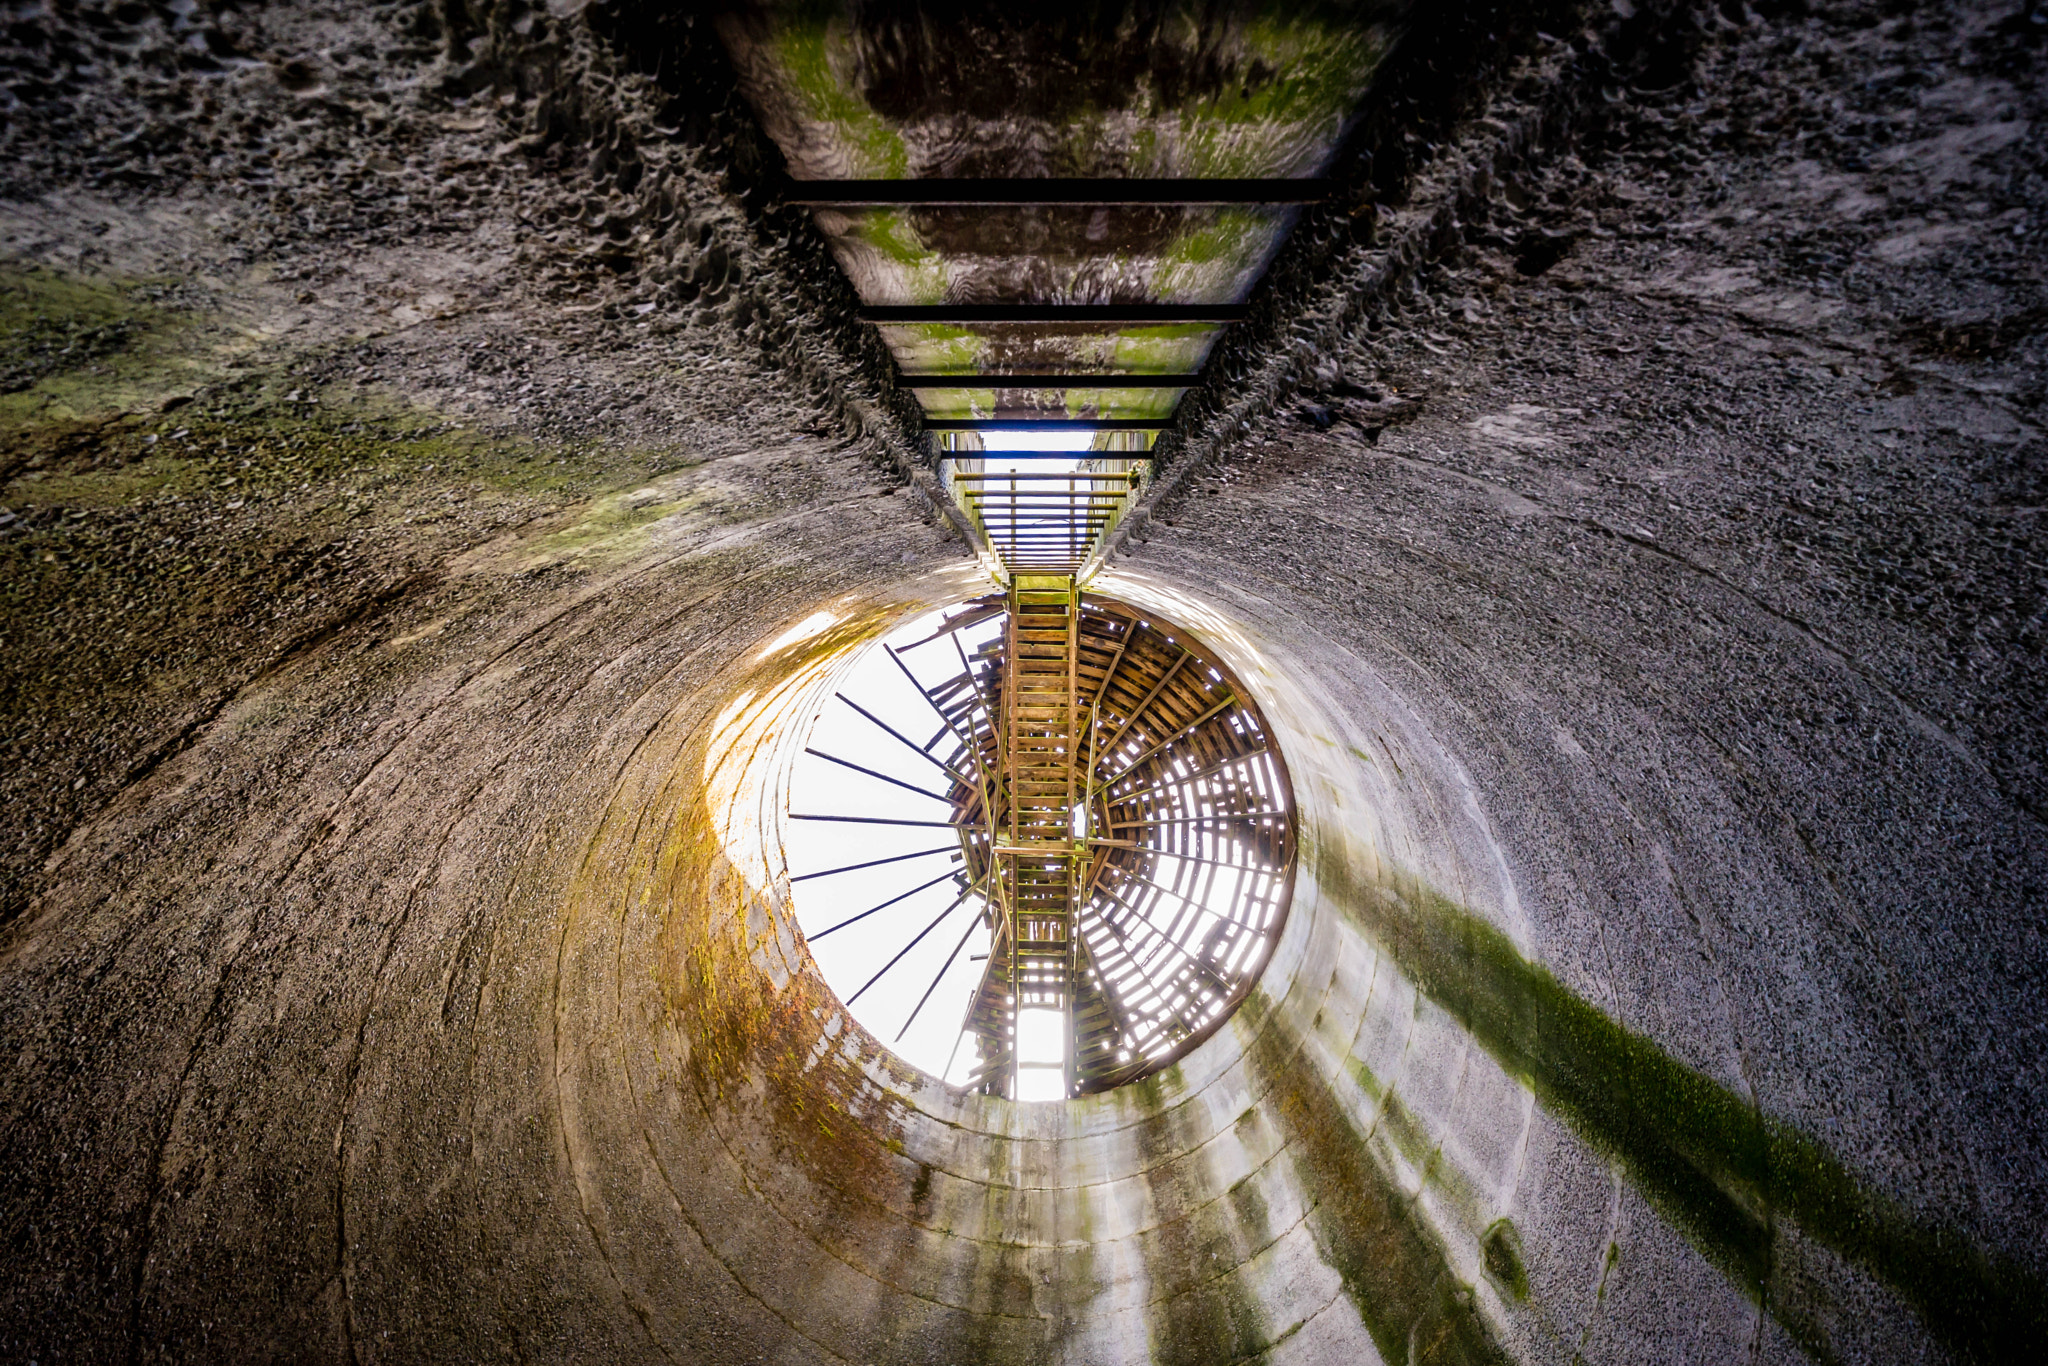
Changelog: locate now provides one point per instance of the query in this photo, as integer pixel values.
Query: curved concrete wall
(458, 980)
(1650, 627)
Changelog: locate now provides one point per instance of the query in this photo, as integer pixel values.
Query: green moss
(1202, 1311)
(935, 347)
(802, 48)
(1366, 1227)
(1111, 403)
(1719, 1169)
(74, 349)
(1500, 1247)
(1180, 346)
(1404, 1130)
(921, 274)
(1216, 254)
(1316, 69)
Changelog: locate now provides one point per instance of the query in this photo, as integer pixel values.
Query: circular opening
(1041, 844)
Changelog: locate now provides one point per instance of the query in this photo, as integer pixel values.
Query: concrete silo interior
(1466, 583)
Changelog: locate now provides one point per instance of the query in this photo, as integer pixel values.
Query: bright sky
(850, 957)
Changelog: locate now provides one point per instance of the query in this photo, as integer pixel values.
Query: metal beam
(876, 863)
(1048, 381)
(982, 476)
(1046, 424)
(1068, 315)
(875, 820)
(900, 896)
(1046, 455)
(966, 192)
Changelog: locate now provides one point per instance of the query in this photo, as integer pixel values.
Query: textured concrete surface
(1642, 570)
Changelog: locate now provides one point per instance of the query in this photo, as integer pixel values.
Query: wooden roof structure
(1127, 827)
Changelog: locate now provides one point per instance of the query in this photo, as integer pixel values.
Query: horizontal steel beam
(1061, 315)
(1025, 498)
(978, 193)
(1049, 381)
(996, 502)
(1113, 478)
(1046, 424)
(1046, 455)
(1014, 530)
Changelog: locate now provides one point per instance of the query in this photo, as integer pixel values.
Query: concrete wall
(1651, 634)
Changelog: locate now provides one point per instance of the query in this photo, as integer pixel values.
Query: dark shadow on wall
(1724, 1173)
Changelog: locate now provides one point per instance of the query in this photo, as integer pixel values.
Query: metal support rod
(1058, 315)
(905, 740)
(908, 787)
(878, 820)
(944, 968)
(1186, 381)
(1029, 476)
(964, 894)
(1082, 192)
(876, 863)
(814, 938)
(1045, 424)
(929, 700)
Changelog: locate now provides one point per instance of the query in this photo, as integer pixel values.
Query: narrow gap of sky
(994, 443)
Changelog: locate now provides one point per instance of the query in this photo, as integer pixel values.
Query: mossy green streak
(1366, 1227)
(1721, 1170)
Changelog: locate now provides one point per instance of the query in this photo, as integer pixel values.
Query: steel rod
(878, 820)
(1034, 476)
(926, 695)
(943, 970)
(1046, 424)
(1059, 315)
(1083, 192)
(876, 863)
(904, 739)
(814, 938)
(1187, 381)
(908, 787)
(964, 894)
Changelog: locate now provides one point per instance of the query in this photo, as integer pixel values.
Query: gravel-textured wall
(1639, 559)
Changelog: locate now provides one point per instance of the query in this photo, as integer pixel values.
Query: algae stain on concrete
(803, 50)
(1202, 1311)
(73, 347)
(1714, 1165)
(1399, 1126)
(1500, 1247)
(1366, 1227)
